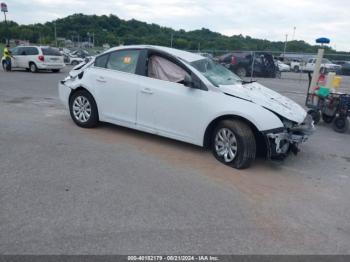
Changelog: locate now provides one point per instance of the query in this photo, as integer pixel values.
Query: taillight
(41, 58)
(233, 60)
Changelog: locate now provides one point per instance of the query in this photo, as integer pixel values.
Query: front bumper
(282, 141)
(64, 93)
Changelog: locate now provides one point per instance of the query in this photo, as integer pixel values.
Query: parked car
(326, 64)
(309, 66)
(241, 64)
(345, 66)
(282, 67)
(80, 53)
(345, 69)
(70, 59)
(34, 58)
(187, 97)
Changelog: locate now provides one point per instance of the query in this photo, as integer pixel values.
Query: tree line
(114, 31)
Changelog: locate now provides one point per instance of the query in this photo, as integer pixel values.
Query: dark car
(345, 68)
(241, 64)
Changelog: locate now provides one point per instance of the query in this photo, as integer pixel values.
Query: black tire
(327, 119)
(32, 67)
(316, 115)
(74, 63)
(55, 70)
(92, 120)
(296, 69)
(244, 142)
(241, 72)
(341, 124)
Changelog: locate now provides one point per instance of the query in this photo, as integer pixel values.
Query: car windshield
(326, 61)
(215, 73)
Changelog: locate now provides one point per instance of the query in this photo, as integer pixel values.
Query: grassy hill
(113, 30)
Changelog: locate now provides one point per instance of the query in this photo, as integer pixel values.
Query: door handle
(147, 91)
(101, 79)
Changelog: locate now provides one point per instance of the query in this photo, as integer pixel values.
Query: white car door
(22, 57)
(171, 109)
(117, 86)
(15, 60)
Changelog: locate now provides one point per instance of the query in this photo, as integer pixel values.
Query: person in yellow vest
(7, 56)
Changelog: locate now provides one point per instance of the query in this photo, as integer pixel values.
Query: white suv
(187, 97)
(34, 58)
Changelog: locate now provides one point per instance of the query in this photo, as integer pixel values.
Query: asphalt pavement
(112, 190)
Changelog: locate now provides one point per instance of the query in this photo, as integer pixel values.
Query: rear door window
(50, 51)
(123, 60)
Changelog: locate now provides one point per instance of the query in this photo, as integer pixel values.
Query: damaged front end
(284, 140)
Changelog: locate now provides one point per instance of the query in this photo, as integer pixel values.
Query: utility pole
(285, 46)
(55, 34)
(5, 10)
(294, 28)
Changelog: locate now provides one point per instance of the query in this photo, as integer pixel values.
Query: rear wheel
(83, 109)
(233, 143)
(33, 68)
(55, 70)
(341, 124)
(241, 72)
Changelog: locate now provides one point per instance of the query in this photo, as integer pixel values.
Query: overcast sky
(266, 19)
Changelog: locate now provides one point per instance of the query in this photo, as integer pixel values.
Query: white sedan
(187, 97)
(282, 67)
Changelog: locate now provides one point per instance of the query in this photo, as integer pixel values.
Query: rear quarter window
(50, 51)
(101, 61)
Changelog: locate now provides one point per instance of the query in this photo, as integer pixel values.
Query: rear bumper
(283, 141)
(48, 66)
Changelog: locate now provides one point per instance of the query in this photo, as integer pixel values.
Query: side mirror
(188, 81)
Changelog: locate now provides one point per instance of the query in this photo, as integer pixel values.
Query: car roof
(183, 55)
(38, 46)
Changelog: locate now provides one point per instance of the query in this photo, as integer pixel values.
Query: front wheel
(83, 109)
(233, 143)
(341, 124)
(55, 70)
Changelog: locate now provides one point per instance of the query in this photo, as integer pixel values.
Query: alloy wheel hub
(81, 109)
(226, 144)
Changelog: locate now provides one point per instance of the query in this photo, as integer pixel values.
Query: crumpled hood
(267, 98)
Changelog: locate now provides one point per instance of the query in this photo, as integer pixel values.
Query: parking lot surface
(112, 190)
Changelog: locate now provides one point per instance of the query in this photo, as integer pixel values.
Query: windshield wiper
(248, 82)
